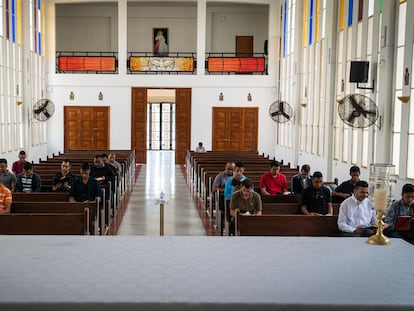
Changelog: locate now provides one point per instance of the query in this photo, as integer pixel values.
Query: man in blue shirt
(238, 175)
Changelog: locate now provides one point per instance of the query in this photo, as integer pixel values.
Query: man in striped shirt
(28, 181)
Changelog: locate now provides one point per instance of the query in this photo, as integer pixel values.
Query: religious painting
(160, 41)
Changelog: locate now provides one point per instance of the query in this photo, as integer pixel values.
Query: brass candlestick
(379, 238)
(381, 184)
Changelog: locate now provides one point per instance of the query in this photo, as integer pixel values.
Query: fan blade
(46, 113)
(276, 113)
(281, 107)
(352, 116)
(374, 112)
(354, 103)
(38, 110)
(286, 115)
(45, 103)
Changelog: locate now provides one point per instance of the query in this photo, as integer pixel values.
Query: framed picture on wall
(160, 41)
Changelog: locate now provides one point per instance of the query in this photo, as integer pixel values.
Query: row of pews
(49, 212)
(282, 215)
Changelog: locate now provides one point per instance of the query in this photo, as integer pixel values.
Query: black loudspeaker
(265, 48)
(359, 71)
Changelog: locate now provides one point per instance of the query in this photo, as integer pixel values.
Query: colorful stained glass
(161, 64)
(19, 21)
(341, 14)
(13, 20)
(318, 11)
(360, 10)
(236, 64)
(86, 63)
(350, 11)
(305, 22)
(310, 22)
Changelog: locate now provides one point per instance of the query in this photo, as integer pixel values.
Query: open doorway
(181, 126)
(161, 126)
(161, 119)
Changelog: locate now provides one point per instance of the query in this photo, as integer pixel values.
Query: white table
(204, 273)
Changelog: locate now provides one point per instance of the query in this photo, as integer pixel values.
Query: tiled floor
(142, 215)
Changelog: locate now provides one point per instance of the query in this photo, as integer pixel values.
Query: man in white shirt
(356, 213)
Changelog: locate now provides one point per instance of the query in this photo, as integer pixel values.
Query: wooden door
(86, 128)
(182, 124)
(139, 124)
(244, 46)
(235, 128)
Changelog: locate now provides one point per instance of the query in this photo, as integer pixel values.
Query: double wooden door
(235, 128)
(86, 128)
(182, 124)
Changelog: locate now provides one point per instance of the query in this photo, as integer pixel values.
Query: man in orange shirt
(5, 199)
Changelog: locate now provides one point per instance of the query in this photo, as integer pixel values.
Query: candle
(380, 199)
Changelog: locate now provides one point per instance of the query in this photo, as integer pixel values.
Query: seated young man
(316, 199)
(5, 199)
(301, 180)
(273, 182)
(28, 181)
(346, 189)
(246, 200)
(356, 213)
(85, 188)
(401, 207)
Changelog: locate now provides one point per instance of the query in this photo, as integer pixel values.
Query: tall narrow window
(284, 26)
(1, 19)
(397, 124)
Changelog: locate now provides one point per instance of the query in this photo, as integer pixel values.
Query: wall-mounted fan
(43, 109)
(358, 110)
(280, 111)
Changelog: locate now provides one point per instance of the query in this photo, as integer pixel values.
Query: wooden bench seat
(60, 208)
(45, 224)
(41, 197)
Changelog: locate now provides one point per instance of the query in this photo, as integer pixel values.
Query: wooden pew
(41, 197)
(60, 208)
(289, 208)
(287, 225)
(45, 224)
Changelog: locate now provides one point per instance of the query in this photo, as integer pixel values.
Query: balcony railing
(148, 63)
(87, 62)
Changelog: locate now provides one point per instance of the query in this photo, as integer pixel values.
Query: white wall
(181, 23)
(117, 98)
(204, 99)
(142, 17)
